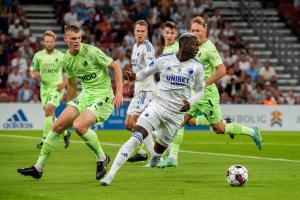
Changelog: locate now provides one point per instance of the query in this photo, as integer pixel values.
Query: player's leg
(212, 112)
(147, 122)
(98, 111)
(167, 135)
(172, 159)
(49, 119)
(136, 107)
(63, 122)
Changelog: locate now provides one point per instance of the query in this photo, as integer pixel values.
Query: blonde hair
(140, 22)
(49, 33)
(199, 20)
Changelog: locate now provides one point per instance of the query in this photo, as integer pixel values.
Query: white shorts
(156, 117)
(139, 102)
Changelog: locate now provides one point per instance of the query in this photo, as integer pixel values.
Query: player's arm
(61, 86)
(219, 73)
(35, 68)
(118, 99)
(71, 88)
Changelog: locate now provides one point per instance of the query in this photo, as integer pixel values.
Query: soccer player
(179, 73)
(209, 105)
(93, 105)
(45, 65)
(169, 33)
(142, 54)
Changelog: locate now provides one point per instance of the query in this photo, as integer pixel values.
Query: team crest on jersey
(56, 60)
(85, 63)
(190, 71)
(138, 54)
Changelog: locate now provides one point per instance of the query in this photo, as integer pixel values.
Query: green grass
(70, 174)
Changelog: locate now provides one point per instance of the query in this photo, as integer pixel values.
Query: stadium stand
(258, 46)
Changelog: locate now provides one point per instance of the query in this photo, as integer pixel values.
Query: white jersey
(141, 57)
(177, 79)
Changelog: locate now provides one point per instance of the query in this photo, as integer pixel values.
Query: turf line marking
(182, 151)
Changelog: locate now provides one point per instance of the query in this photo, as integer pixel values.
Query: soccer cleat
(106, 181)
(67, 139)
(30, 171)
(101, 167)
(228, 121)
(138, 157)
(155, 160)
(39, 145)
(169, 162)
(257, 138)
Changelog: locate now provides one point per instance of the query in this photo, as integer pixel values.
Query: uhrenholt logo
(17, 121)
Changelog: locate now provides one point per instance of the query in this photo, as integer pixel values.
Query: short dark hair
(169, 24)
(186, 36)
(71, 28)
(140, 22)
(199, 20)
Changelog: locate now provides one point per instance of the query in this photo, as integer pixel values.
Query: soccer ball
(237, 175)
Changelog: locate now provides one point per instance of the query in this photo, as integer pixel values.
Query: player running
(143, 54)
(209, 105)
(179, 73)
(94, 104)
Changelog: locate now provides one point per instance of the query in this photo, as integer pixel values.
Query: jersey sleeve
(152, 68)
(215, 57)
(199, 84)
(149, 55)
(35, 65)
(101, 58)
(68, 70)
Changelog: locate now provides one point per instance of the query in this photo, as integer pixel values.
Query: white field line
(182, 151)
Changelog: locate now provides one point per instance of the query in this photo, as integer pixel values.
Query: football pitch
(274, 172)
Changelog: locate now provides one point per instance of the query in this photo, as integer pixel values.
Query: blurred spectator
(25, 93)
(15, 28)
(267, 73)
(19, 62)
(244, 63)
(35, 99)
(4, 49)
(3, 76)
(252, 71)
(269, 100)
(70, 17)
(290, 99)
(258, 94)
(122, 61)
(15, 79)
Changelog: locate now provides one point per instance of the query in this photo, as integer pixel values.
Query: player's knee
(128, 126)
(57, 127)
(141, 130)
(79, 127)
(191, 122)
(219, 129)
(49, 110)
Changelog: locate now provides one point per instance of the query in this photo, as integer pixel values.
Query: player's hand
(128, 86)
(35, 75)
(129, 75)
(186, 106)
(118, 100)
(60, 86)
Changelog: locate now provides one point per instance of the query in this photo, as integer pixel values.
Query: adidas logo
(18, 121)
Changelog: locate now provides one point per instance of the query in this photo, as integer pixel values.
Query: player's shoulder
(197, 64)
(165, 55)
(58, 52)
(148, 46)
(40, 53)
